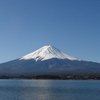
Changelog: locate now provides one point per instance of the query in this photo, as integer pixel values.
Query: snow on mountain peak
(47, 52)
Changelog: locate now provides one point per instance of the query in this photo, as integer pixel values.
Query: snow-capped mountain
(48, 60)
(47, 52)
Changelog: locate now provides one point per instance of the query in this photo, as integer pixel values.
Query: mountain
(49, 61)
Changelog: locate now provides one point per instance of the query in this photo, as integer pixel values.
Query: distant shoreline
(53, 77)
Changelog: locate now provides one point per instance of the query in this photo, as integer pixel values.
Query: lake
(49, 90)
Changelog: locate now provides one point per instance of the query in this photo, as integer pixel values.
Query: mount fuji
(49, 61)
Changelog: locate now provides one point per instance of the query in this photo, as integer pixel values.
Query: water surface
(49, 90)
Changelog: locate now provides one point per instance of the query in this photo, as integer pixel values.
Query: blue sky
(73, 26)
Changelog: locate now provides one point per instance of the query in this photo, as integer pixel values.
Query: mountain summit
(47, 52)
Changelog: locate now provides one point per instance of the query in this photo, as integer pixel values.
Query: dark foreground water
(49, 90)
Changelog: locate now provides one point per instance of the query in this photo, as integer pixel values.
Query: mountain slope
(48, 60)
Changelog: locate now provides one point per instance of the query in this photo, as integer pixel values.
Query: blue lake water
(49, 90)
